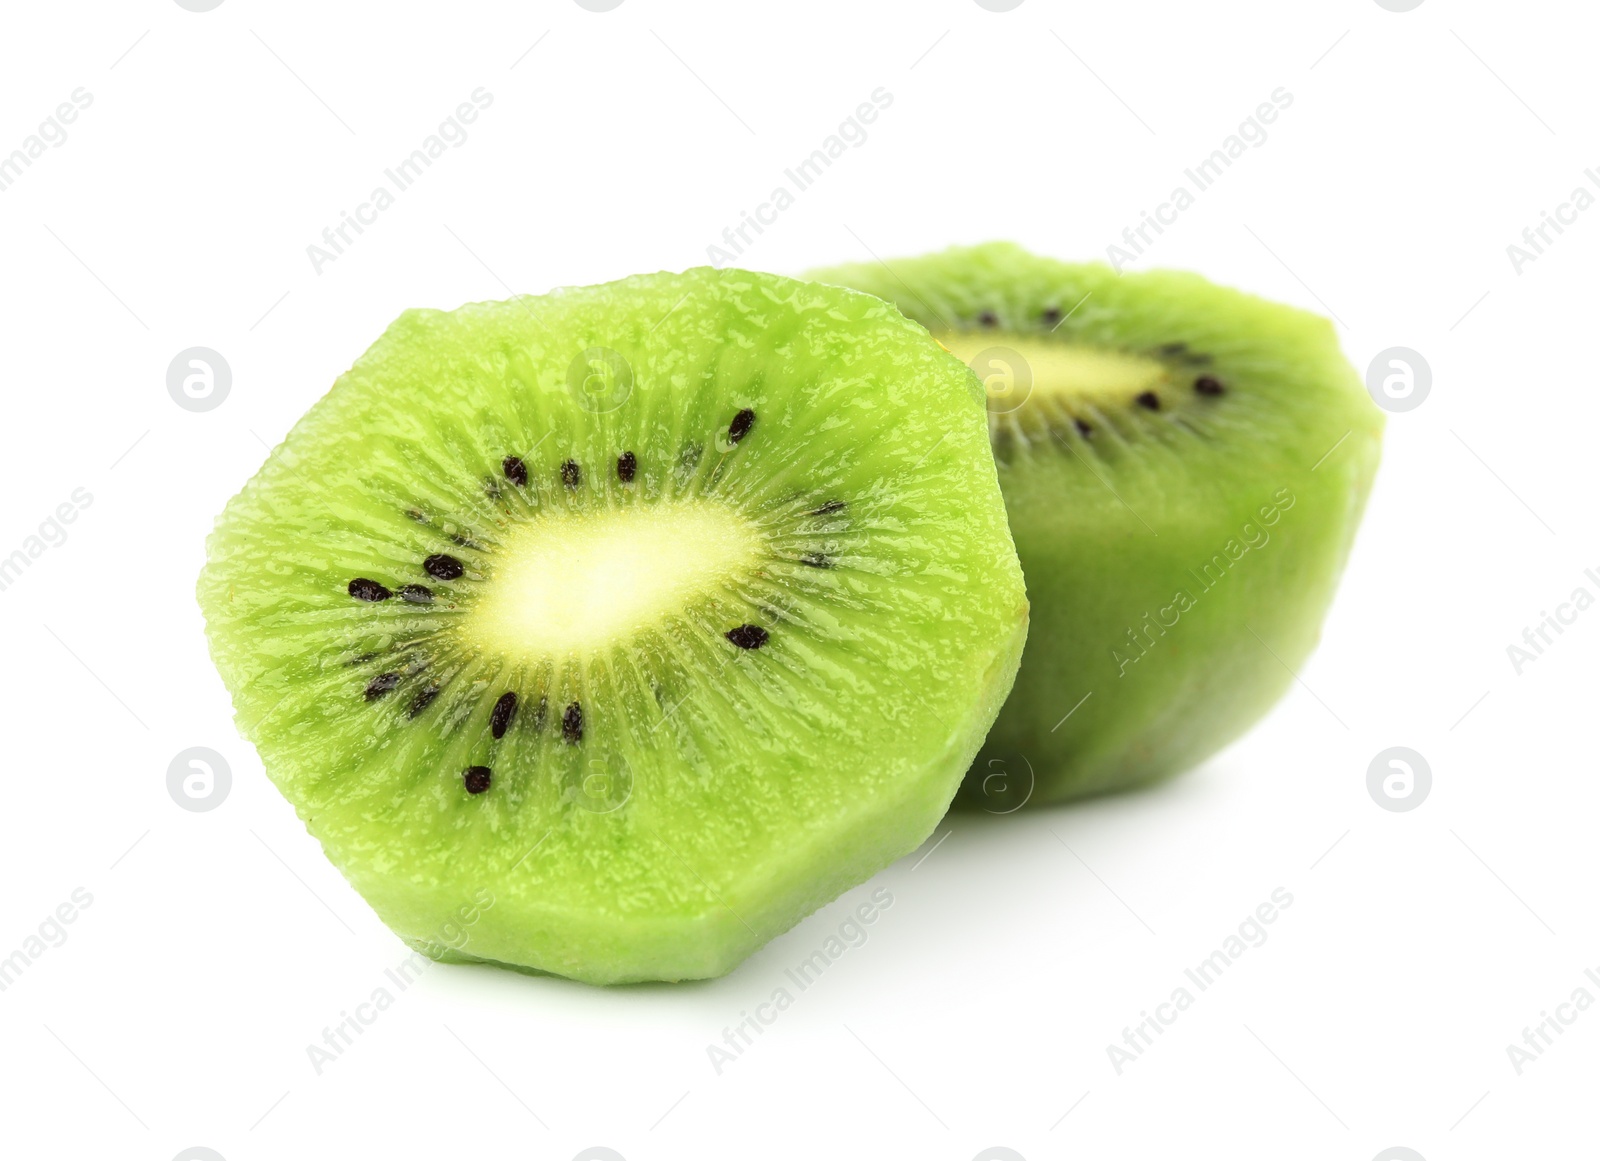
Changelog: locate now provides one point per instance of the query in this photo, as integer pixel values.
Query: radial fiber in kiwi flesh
(1184, 467)
(633, 622)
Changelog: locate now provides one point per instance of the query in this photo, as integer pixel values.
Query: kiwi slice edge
(1184, 467)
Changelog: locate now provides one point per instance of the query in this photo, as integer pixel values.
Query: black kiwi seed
(627, 465)
(988, 319)
(363, 589)
(423, 700)
(1206, 385)
(828, 509)
(816, 560)
(505, 712)
(381, 685)
(741, 425)
(443, 566)
(571, 474)
(747, 636)
(1051, 316)
(572, 724)
(1084, 427)
(1149, 400)
(417, 594)
(516, 471)
(477, 778)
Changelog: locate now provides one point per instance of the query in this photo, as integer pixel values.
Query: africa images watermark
(1536, 239)
(1252, 932)
(50, 534)
(1141, 638)
(1542, 1035)
(852, 932)
(52, 133)
(52, 932)
(451, 935)
(1251, 134)
(1538, 638)
(851, 133)
(451, 134)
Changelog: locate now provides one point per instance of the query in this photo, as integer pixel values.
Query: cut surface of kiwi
(609, 633)
(1184, 467)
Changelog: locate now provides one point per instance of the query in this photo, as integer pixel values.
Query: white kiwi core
(578, 582)
(1015, 368)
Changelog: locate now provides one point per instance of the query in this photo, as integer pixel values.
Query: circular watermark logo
(600, 379)
(1400, 1152)
(200, 1152)
(1006, 377)
(198, 6)
(1399, 6)
(198, 379)
(607, 784)
(999, 5)
(1399, 779)
(1004, 784)
(599, 1152)
(1398, 379)
(598, 5)
(999, 1153)
(199, 779)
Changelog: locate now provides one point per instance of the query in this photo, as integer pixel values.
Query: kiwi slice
(609, 633)
(1184, 467)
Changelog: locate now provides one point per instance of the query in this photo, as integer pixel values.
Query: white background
(218, 945)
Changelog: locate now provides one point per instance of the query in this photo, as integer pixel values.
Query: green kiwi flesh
(611, 632)
(1184, 467)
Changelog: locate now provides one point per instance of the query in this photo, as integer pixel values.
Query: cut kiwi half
(1184, 466)
(634, 621)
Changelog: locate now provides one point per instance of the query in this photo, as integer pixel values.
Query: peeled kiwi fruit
(1184, 467)
(609, 633)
